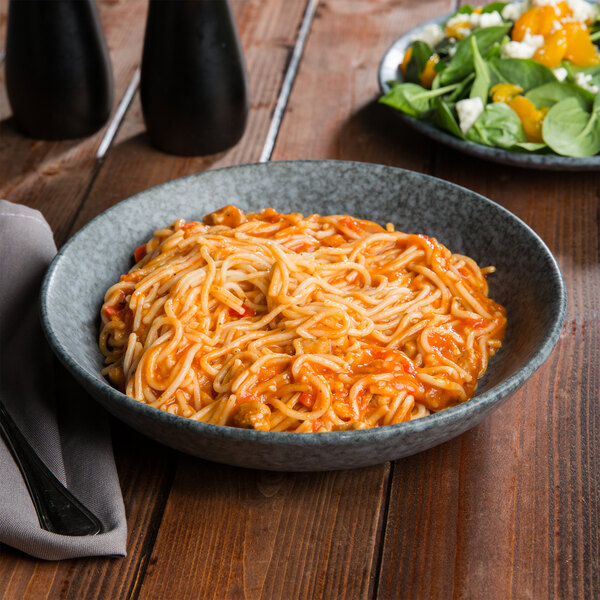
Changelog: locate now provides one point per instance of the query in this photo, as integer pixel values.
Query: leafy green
(462, 62)
(443, 116)
(465, 9)
(413, 99)
(499, 126)
(570, 130)
(481, 84)
(572, 69)
(471, 67)
(494, 6)
(524, 72)
(420, 54)
(530, 147)
(463, 89)
(549, 94)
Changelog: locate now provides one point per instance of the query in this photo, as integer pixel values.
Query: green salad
(522, 76)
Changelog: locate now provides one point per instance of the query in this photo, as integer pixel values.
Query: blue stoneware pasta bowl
(527, 282)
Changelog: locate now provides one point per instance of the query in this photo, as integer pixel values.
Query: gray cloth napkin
(62, 423)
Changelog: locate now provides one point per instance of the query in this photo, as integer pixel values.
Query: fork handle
(57, 509)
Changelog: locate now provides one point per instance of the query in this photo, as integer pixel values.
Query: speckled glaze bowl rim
(389, 64)
(477, 404)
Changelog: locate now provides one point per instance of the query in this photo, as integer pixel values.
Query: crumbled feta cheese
(560, 73)
(462, 24)
(516, 50)
(468, 111)
(582, 10)
(458, 19)
(523, 49)
(584, 81)
(490, 19)
(513, 10)
(430, 34)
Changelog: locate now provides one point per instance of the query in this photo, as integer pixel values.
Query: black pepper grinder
(58, 73)
(193, 85)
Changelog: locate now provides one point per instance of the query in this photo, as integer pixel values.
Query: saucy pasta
(280, 322)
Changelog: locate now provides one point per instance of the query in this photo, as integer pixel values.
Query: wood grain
(255, 534)
(472, 507)
(54, 177)
(556, 413)
(268, 32)
(333, 110)
(509, 510)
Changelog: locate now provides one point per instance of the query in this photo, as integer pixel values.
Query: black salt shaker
(193, 85)
(58, 72)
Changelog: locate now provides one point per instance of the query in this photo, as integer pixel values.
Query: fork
(57, 509)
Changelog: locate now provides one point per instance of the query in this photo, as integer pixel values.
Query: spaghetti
(278, 322)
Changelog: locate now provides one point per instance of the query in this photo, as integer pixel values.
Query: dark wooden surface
(508, 510)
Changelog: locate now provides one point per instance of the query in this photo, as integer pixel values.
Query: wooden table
(508, 510)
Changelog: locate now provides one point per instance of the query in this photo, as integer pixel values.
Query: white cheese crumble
(513, 10)
(475, 20)
(468, 111)
(430, 34)
(523, 49)
(490, 19)
(560, 73)
(544, 2)
(582, 10)
(584, 81)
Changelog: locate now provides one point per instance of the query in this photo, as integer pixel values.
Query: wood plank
(3, 19)
(475, 523)
(268, 32)
(522, 518)
(254, 534)
(554, 500)
(333, 111)
(54, 177)
(145, 478)
(312, 570)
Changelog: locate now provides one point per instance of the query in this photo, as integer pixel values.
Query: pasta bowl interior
(526, 282)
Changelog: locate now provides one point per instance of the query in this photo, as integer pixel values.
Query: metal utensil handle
(57, 509)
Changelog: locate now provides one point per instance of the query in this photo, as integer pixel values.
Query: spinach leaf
(462, 62)
(572, 69)
(499, 126)
(465, 9)
(444, 49)
(463, 89)
(524, 72)
(413, 99)
(443, 116)
(481, 85)
(420, 54)
(551, 93)
(531, 147)
(494, 6)
(572, 131)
